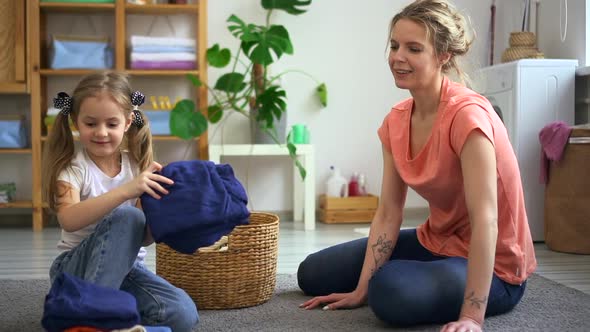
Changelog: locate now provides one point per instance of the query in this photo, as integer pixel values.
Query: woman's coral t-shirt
(435, 174)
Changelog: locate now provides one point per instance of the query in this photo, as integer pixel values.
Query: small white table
(303, 191)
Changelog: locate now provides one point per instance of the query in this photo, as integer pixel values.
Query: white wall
(577, 37)
(550, 27)
(344, 45)
(508, 19)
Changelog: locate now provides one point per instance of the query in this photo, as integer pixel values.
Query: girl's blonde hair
(59, 148)
(446, 27)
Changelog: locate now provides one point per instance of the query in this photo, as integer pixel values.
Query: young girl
(473, 255)
(94, 193)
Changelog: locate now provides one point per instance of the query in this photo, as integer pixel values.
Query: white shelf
(583, 71)
(303, 191)
(258, 149)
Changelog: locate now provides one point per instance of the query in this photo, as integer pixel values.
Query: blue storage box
(159, 122)
(12, 132)
(80, 52)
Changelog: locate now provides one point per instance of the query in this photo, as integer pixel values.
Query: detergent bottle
(336, 185)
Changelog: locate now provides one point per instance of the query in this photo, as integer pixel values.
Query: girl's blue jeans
(107, 257)
(414, 287)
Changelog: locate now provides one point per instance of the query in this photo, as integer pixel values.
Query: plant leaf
(185, 122)
(230, 82)
(290, 6)
(217, 57)
(322, 93)
(271, 104)
(215, 113)
(241, 30)
(293, 154)
(194, 79)
(279, 35)
(266, 43)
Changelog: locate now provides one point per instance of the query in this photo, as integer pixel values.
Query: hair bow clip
(137, 99)
(64, 103)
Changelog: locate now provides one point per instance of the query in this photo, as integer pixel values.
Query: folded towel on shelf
(162, 41)
(162, 49)
(174, 65)
(185, 56)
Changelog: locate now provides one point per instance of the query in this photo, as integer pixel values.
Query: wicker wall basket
(242, 275)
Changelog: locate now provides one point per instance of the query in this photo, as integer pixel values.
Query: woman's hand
(147, 182)
(462, 325)
(335, 301)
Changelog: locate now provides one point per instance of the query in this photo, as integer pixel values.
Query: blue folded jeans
(107, 258)
(414, 287)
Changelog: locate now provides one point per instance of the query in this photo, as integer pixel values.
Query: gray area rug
(546, 306)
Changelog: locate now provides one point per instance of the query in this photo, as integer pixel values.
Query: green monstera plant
(247, 88)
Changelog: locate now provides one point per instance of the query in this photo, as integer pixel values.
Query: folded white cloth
(183, 56)
(162, 41)
(162, 49)
(53, 111)
(136, 328)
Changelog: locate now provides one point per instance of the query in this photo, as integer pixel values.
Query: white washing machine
(528, 95)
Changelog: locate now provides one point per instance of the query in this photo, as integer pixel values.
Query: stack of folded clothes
(77, 305)
(162, 53)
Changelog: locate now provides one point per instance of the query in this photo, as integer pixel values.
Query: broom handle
(493, 31)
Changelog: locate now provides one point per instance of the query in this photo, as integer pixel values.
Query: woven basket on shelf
(516, 53)
(522, 46)
(243, 275)
(522, 38)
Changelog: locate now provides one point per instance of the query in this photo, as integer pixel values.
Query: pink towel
(553, 138)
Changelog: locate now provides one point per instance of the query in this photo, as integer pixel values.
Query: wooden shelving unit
(15, 151)
(37, 13)
(154, 138)
(133, 72)
(17, 205)
(13, 57)
(14, 69)
(65, 7)
(13, 88)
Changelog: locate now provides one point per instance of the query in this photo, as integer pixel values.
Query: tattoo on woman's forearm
(381, 250)
(475, 302)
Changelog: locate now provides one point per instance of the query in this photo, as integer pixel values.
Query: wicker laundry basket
(242, 275)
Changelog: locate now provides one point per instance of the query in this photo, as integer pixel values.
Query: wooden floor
(28, 255)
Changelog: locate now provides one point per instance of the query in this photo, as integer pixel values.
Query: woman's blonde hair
(446, 28)
(59, 148)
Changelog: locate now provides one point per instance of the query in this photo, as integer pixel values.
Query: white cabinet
(530, 94)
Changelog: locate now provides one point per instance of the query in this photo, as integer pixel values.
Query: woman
(472, 256)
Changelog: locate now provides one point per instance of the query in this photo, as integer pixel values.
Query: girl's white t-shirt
(90, 181)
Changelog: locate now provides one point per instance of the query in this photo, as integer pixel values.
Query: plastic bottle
(362, 183)
(336, 185)
(353, 185)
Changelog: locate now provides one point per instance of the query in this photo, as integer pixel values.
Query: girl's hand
(334, 301)
(147, 182)
(462, 325)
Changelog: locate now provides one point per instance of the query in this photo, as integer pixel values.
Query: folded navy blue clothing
(75, 302)
(205, 203)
